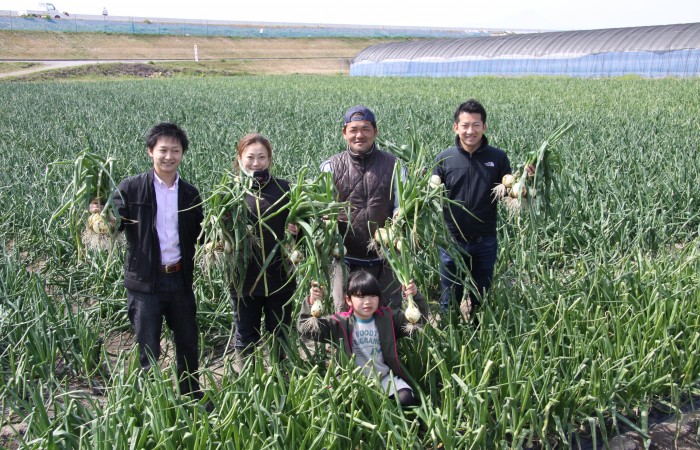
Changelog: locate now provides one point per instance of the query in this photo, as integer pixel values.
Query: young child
(367, 331)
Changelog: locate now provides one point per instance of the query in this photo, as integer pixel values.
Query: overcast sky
(509, 14)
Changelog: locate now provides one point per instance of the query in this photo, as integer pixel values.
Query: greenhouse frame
(650, 51)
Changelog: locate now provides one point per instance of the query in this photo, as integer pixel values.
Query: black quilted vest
(364, 181)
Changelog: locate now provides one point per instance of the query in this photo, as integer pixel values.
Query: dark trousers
(480, 258)
(248, 312)
(176, 303)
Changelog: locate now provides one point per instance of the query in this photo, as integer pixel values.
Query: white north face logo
(490, 164)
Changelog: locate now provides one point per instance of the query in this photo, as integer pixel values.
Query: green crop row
(591, 327)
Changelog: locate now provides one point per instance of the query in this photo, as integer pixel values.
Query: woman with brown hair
(267, 288)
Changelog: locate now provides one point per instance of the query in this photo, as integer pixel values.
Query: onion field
(592, 326)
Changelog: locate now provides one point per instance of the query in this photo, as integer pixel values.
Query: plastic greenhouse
(651, 51)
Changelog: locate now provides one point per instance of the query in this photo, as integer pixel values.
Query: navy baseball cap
(359, 112)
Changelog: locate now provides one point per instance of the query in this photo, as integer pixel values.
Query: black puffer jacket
(136, 202)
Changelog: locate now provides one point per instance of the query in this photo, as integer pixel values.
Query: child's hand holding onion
(410, 289)
(315, 299)
(315, 293)
(412, 312)
(311, 325)
(95, 206)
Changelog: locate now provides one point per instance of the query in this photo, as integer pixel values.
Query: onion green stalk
(418, 226)
(93, 181)
(515, 189)
(226, 234)
(313, 210)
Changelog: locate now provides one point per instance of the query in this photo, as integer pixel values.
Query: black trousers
(248, 315)
(176, 303)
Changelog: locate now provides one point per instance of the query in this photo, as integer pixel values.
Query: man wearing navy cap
(362, 175)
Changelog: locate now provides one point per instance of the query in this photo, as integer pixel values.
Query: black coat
(268, 201)
(135, 200)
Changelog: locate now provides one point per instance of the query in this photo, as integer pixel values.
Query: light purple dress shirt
(166, 220)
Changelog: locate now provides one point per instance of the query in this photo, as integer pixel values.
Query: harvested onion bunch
(312, 208)
(514, 192)
(92, 217)
(517, 190)
(226, 234)
(399, 253)
(419, 226)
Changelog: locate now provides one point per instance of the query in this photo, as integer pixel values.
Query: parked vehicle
(44, 10)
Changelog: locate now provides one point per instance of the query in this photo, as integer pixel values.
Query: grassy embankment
(217, 55)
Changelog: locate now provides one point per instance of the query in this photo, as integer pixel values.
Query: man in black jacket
(161, 216)
(470, 169)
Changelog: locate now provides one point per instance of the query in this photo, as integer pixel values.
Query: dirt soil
(217, 54)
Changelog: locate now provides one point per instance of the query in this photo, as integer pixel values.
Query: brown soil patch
(677, 433)
(116, 70)
(87, 70)
(16, 66)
